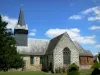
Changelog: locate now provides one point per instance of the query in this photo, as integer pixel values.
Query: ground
(82, 72)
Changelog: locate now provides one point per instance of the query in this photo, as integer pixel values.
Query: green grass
(86, 72)
(82, 72)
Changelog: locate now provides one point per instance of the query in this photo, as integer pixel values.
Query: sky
(47, 19)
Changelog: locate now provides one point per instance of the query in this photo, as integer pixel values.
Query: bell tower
(21, 30)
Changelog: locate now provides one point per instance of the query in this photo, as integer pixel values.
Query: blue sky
(49, 18)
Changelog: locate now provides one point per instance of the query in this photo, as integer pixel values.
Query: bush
(73, 69)
(73, 66)
(96, 71)
(95, 65)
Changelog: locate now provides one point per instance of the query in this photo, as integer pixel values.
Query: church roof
(79, 47)
(53, 42)
(86, 53)
(35, 47)
(82, 52)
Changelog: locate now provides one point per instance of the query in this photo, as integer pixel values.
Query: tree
(99, 56)
(9, 58)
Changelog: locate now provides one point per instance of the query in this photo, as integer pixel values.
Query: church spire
(21, 17)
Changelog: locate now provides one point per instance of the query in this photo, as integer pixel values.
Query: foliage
(73, 69)
(96, 71)
(9, 58)
(99, 56)
(96, 65)
(73, 73)
(73, 65)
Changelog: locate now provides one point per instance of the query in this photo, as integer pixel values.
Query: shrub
(95, 65)
(73, 69)
(73, 73)
(96, 71)
(74, 66)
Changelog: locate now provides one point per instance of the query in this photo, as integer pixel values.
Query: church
(41, 54)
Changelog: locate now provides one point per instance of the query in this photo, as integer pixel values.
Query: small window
(41, 60)
(31, 59)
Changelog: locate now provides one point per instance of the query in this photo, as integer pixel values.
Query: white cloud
(75, 17)
(11, 21)
(95, 10)
(33, 30)
(97, 46)
(95, 13)
(94, 27)
(96, 18)
(74, 33)
(32, 34)
(85, 39)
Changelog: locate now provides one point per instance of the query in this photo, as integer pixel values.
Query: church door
(66, 56)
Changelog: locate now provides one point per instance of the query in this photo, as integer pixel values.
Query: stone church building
(42, 53)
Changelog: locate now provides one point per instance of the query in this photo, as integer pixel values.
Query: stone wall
(35, 66)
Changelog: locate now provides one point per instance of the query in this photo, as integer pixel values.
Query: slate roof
(79, 47)
(82, 52)
(53, 42)
(35, 47)
(86, 53)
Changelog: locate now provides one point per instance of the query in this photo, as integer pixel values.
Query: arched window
(66, 56)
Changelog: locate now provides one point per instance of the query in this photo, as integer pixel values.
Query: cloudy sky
(49, 18)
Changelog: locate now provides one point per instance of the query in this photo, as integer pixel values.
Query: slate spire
(21, 17)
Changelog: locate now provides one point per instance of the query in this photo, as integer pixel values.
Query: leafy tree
(9, 58)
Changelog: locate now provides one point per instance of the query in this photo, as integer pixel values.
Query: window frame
(66, 54)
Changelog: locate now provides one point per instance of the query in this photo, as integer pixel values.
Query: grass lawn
(82, 72)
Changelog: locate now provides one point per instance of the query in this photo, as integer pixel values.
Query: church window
(66, 56)
(31, 59)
